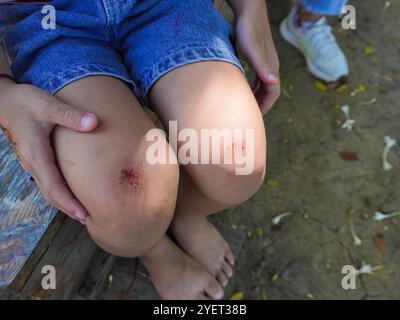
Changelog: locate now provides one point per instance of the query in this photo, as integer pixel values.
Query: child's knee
(233, 182)
(226, 185)
(128, 224)
(237, 188)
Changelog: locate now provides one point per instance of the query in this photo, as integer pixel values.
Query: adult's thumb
(73, 118)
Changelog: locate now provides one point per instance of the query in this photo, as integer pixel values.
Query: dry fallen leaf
(379, 242)
(279, 217)
(272, 183)
(237, 296)
(389, 143)
(123, 296)
(276, 227)
(356, 240)
(343, 88)
(348, 156)
(259, 232)
(379, 216)
(321, 86)
(361, 88)
(110, 280)
(368, 50)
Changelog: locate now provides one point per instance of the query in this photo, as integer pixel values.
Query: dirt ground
(304, 256)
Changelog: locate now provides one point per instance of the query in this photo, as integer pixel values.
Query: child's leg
(130, 202)
(200, 96)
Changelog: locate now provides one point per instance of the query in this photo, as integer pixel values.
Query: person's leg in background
(306, 28)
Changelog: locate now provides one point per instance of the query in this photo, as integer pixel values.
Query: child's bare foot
(199, 238)
(177, 276)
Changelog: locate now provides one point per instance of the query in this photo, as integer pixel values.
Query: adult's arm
(28, 115)
(255, 42)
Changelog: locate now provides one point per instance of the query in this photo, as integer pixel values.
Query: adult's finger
(56, 112)
(267, 70)
(53, 186)
(266, 96)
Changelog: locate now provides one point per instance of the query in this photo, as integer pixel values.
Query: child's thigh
(107, 169)
(215, 95)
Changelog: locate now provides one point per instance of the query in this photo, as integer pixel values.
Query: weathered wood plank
(70, 252)
(30, 236)
(24, 214)
(96, 278)
(20, 280)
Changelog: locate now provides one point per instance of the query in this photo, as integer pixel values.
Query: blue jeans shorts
(328, 7)
(137, 41)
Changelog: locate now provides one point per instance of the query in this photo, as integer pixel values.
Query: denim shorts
(328, 7)
(137, 41)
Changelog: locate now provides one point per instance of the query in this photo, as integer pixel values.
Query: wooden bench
(33, 235)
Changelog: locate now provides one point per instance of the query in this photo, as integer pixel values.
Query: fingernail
(272, 77)
(87, 121)
(219, 295)
(81, 217)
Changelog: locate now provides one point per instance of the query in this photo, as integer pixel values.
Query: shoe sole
(287, 35)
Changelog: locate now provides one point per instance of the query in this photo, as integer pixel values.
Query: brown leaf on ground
(348, 156)
(276, 227)
(379, 242)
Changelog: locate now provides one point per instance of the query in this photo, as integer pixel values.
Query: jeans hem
(182, 57)
(60, 80)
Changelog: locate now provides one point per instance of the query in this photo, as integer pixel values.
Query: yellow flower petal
(369, 50)
(361, 87)
(321, 86)
(237, 296)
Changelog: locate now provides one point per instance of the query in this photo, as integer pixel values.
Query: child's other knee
(230, 184)
(234, 188)
(129, 223)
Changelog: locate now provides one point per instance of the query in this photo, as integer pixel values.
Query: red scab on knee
(238, 147)
(129, 177)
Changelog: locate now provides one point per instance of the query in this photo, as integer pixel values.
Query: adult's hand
(28, 115)
(255, 42)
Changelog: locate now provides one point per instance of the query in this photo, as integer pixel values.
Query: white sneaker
(324, 58)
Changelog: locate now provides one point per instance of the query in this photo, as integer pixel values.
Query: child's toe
(214, 289)
(227, 269)
(222, 278)
(229, 257)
